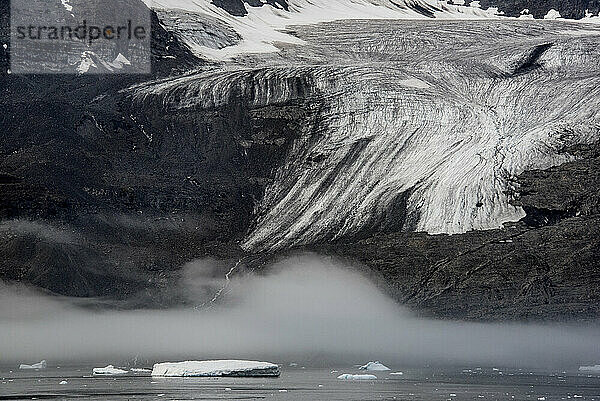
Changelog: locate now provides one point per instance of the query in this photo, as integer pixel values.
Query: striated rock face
(370, 141)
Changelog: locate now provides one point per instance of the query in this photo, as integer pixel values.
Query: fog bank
(307, 309)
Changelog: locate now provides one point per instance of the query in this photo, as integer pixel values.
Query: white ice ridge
(216, 368)
(40, 365)
(436, 158)
(374, 366)
(108, 370)
(347, 376)
(593, 368)
(263, 28)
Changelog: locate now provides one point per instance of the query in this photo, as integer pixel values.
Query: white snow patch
(347, 376)
(120, 61)
(374, 366)
(68, 6)
(215, 368)
(108, 370)
(40, 365)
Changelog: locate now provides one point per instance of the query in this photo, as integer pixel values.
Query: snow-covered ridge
(262, 30)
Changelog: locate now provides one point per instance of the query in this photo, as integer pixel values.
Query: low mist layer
(308, 309)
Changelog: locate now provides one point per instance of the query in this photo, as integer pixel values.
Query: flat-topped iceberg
(216, 368)
(375, 366)
(594, 368)
(347, 376)
(108, 370)
(39, 365)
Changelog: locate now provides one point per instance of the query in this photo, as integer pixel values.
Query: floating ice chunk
(63, 382)
(375, 366)
(396, 373)
(552, 14)
(594, 368)
(40, 365)
(347, 376)
(140, 370)
(108, 370)
(216, 368)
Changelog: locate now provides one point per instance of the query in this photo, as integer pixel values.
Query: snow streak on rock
(422, 126)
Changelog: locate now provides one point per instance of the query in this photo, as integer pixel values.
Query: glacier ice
(347, 376)
(108, 370)
(215, 368)
(374, 366)
(422, 126)
(263, 29)
(40, 365)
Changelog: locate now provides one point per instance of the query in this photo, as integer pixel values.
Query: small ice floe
(374, 366)
(217, 368)
(140, 370)
(108, 371)
(396, 373)
(283, 390)
(594, 368)
(63, 382)
(40, 365)
(347, 376)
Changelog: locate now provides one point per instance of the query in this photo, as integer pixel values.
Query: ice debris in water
(376, 366)
(594, 368)
(347, 376)
(216, 368)
(108, 370)
(40, 365)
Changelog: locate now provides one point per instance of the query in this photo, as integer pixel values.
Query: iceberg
(108, 370)
(374, 366)
(594, 368)
(216, 368)
(347, 376)
(39, 365)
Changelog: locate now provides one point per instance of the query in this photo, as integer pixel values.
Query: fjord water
(306, 383)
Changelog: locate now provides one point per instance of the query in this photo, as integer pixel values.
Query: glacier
(411, 125)
(225, 36)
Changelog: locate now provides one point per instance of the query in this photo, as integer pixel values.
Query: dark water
(297, 383)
